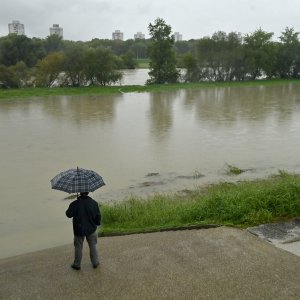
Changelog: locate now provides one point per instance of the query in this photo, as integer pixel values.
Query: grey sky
(88, 19)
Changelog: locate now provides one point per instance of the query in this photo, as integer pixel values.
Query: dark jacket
(86, 215)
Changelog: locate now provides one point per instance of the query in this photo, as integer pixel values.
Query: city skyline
(17, 27)
(194, 19)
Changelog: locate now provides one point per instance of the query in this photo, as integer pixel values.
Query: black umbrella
(77, 181)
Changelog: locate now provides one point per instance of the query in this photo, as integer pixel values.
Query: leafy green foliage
(128, 60)
(288, 55)
(48, 69)
(15, 48)
(14, 76)
(220, 57)
(260, 55)
(162, 54)
(53, 43)
(192, 71)
(74, 65)
(100, 67)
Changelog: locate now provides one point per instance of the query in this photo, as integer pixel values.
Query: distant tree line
(233, 57)
(43, 62)
(222, 57)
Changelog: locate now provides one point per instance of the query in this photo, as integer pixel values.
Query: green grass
(143, 63)
(243, 204)
(45, 92)
(7, 94)
(233, 170)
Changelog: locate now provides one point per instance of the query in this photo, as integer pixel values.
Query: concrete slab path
(220, 263)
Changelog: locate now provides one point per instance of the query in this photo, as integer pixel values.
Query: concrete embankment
(219, 263)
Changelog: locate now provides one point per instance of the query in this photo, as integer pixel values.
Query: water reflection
(226, 106)
(161, 113)
(82, 109)
(77, 109)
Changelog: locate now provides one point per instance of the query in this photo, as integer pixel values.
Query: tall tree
(235, 57)
(49, 68)
(74, 64)
(128, 61)
(219, 57)
(288, 57)
(139, 48)
(7, 77)
(15, 48)
(100, 67)
(189, 62)
(21, 74)
(260, 54)
(162, 53)
(53, 43)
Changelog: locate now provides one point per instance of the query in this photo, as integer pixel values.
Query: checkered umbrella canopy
(77, 181)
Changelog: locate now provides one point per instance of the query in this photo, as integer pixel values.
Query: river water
(125, 137)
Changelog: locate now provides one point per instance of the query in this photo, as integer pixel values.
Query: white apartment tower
(16, 27)
(139, 36)
(56, 30)
(177, 36)
(117, 35)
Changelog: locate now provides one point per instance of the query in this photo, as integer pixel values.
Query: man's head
(84, 193)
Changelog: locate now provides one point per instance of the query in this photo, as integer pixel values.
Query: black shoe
(75, 267)
(95, 266)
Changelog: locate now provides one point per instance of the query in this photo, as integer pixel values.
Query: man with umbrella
(84, 210)
(86, 217)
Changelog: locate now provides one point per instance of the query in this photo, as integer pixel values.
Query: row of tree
(15, 48)
(32, 62)
(227, 57)
(221, 57)
(74, 67)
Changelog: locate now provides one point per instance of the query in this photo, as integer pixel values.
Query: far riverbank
(7, 94)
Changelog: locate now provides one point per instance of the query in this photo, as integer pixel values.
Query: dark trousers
(92, 242)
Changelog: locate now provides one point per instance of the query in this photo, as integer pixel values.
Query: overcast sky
(87, 19)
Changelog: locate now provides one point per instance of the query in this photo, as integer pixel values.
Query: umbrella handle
(78, 176)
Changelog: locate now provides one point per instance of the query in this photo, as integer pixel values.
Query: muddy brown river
(173, 136)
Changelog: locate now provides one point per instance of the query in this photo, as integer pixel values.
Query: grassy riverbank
(143, 63)
(85, 91)
(242, 204)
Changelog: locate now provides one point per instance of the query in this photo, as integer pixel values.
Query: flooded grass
(233, 170)
(90, 91)
(247, 203)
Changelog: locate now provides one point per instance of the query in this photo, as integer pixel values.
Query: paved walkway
(220, 263)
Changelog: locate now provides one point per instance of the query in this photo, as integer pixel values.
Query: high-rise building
(139, 36)
(16, 27)
(56, 30)
(117, 35)
(177, 36)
